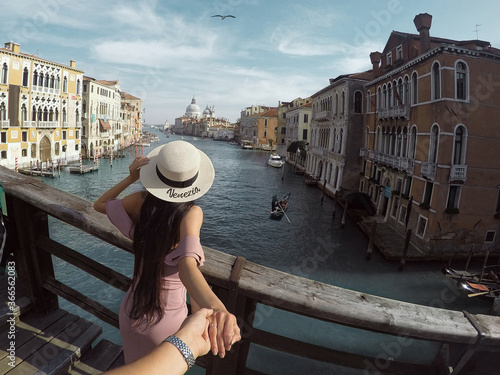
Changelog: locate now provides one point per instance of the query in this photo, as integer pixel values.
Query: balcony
(394, 112)
(104, 134)
(46, 124)
(4, 124)
(458, 173)
(323, 116)
(428, 170)
(363, 152)
(65, 124)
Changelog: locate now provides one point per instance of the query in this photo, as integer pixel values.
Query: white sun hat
(177, 172)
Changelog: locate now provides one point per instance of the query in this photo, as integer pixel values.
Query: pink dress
(140, 340)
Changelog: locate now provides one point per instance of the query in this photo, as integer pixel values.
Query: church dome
(207, 112)
(193, 110)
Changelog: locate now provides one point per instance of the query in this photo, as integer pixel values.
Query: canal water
(309, 244)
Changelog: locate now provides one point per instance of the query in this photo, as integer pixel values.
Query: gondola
(279, 207)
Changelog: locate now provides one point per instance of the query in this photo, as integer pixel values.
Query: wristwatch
(183, 348)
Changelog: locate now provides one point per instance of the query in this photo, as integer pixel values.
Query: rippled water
(311, 245)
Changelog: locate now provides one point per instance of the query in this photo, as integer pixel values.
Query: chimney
(72, 63)
(375, 59)
(14, 47)
(423, 24)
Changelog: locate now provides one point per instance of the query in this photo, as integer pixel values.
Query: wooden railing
(241, 285)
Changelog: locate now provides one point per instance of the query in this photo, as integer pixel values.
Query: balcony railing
(428, 170)
(393, 112)
(398, 162)
(363, 152)
(4, 124)
(458, 173)
(104, 134)
(323, 116)
(46, 124)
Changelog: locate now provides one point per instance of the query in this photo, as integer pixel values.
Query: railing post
(243, 308)
(32, 266)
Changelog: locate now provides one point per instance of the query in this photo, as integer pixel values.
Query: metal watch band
(183, 348)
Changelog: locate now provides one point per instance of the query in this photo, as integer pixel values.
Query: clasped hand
(211, 330)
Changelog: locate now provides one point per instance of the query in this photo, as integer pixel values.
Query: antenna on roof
(477, 31)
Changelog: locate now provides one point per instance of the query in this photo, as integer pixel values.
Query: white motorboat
(275, 161)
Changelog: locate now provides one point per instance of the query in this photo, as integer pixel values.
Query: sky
(168, 51)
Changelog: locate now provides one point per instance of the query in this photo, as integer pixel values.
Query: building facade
(298, 128)
(336, 132)
(131, 119)
(430, 140)
(40, 109)
(259, 125)
(101, 120)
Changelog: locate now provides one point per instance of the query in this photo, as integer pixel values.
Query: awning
(105, 124)
(296, 145)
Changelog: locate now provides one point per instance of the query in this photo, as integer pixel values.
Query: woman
(164, 225)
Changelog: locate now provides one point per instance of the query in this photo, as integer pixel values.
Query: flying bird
(222, 17)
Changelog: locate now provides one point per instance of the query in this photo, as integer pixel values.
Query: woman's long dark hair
(156, 232)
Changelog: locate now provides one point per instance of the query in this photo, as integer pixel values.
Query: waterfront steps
(54, 343)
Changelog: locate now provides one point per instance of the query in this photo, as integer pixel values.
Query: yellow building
(40, 109)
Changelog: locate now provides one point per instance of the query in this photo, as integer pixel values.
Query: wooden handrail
(242, 284)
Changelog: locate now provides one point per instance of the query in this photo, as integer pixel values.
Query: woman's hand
(194, 332)
(135, 167)
(224, 332)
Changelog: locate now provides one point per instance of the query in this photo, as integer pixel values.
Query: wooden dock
(53, 343)
(84, 169)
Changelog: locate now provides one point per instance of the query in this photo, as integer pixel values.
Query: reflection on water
(311, 245)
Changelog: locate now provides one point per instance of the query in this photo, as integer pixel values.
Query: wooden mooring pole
(371, 240)
(405, 250)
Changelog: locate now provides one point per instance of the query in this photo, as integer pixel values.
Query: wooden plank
(319, 353)
(63, 206)
(23, 304)
(82, 301)
(34, 341)
(97, 360)
(26, 330)
(86, 264)
(57, 355)
(338, 305)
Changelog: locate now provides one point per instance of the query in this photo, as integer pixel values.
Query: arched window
(414, 88)
(52, 81)
(433, 145)
(5, 74)
(65, 84)
(358, 102)
(378, 144)
(367, 138)
(436, 82)
(390, 102)
(459, 145)
(393, 141)
(3, 112)
(25, 77)
(399, 140)
(400, 92)
(24, 113)
(413, 143)
(406, 90)
(404, 149)
(342, 103)
(35, 78)
(384, 96)
(40, 80)
(33, 114)
(45, 114)
(341, 135)
(78, 87)
(379, 98)
(461, 81)
(336, 104)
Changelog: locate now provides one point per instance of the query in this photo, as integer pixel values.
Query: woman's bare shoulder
(191, 223)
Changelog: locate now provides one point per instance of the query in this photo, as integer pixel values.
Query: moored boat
(275, 161)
